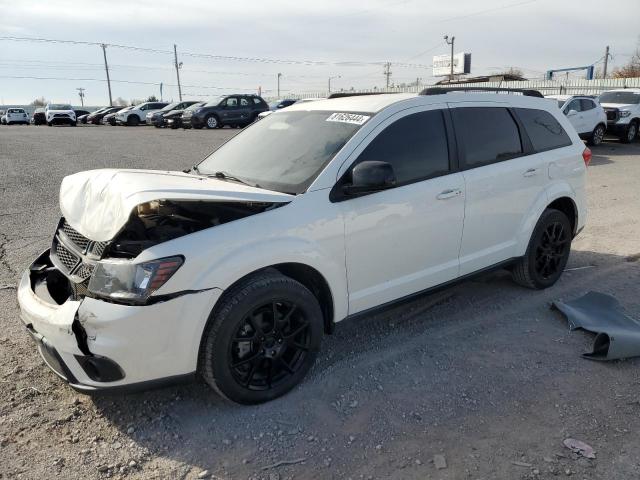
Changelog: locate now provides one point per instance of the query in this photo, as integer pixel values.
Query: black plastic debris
(617, 335)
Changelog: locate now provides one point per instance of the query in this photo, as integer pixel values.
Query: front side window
(284, 152)
(489, 135)
(232, 102)
(545, 132)
(415, 146)
(573, 105)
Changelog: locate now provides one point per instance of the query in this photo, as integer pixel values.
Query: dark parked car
(232, 110)
(38, 118)
(97, 116)
(157, 118)
(173, 119)
(81, 115)
(278, 104)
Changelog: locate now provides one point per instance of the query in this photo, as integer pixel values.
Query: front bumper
(193, 121)
(98, 345)
(618, 128)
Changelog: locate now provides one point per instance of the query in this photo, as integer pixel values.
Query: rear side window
(489, 135)
(415, 146)
(587, 104)
(545, 132)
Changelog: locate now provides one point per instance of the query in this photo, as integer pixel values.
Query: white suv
(57, 113)
(623, 112)
(138, 114)
(324, 211)
(585, 114)
(15, 115)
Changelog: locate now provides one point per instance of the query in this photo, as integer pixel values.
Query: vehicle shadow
(377, 375)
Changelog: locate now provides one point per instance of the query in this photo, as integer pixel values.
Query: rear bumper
(96, 345)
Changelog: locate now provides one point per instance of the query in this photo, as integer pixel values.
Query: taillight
(586, 156)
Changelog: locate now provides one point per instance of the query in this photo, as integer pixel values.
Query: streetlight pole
(331, 78)
(279, 75)
(178, 67)
(446, 39)
(106, 68)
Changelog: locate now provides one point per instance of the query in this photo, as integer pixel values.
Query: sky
(241, 45)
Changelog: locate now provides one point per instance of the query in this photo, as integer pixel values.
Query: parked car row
(616, 112)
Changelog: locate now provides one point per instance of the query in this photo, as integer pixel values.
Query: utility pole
(387, 72)
(453, 39)
(106, 68)
(331, 78)
(279, 75)
(81, 94)
(606, 62)
(178, 67)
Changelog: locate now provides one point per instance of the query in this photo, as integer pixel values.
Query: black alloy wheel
(261, 339)
(547, 253)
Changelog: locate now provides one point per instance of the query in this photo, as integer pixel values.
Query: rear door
(502, 181)
(231, 110)
(405, 239)
(245, 111)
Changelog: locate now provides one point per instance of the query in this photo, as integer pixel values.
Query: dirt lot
(484, 373)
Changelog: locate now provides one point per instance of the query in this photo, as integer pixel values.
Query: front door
(405, 239)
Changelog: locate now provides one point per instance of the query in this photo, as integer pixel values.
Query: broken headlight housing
(128, 282)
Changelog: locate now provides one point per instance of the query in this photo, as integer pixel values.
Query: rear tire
(597, 136)
(629, 133)
(547, 253)
(261, 338)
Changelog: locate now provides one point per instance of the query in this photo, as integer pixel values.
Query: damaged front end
(91, 307)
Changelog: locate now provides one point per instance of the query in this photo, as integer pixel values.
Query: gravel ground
(481, 381)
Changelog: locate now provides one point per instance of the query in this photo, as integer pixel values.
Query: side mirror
(370, 176)
(571, 113)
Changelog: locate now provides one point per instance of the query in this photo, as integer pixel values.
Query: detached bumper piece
(617, 335)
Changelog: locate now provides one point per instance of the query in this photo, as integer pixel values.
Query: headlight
(131, 282)
(624, 113)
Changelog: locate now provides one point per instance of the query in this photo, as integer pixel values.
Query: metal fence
(546, 87)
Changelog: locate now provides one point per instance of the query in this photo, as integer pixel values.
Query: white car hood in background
(619, 106)
(98, 203)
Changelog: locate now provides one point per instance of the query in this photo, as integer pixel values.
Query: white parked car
(585, 114)
(15, 115)
(138, 114)
(623, 112)
(60, 113)
(321, 212)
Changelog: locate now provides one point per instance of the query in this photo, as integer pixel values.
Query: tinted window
(232, 102)
(489, 135)
(415, 145)
(244, 102)
(257, 101)
(621, 98)
(573, 105)
(545, 132)
(587, 104)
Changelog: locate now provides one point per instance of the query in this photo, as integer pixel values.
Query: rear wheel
(547, 253)
(261, 339)
(597, 136)
(629, 133)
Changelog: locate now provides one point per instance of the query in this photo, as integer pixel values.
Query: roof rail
(355, 94)
(527, 92)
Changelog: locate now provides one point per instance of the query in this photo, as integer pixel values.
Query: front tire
(212, 122)
(547, 253)
(629, 133)
(261, 339)
(133, 120)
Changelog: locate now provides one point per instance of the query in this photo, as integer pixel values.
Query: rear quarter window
(545, 132)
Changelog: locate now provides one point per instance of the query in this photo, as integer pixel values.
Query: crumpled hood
(98, 203)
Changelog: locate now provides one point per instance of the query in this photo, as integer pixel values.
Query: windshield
(60, 106)
(622, 98)
(170, 107)
(214, 103)
(195, 105)
(15, 110)
(284, 152)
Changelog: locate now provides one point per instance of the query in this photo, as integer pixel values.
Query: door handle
(449, 193)
(530, 173)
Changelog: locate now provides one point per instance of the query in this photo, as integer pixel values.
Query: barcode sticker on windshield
(348, 118)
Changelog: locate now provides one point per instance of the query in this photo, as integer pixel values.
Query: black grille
(77, 238)
(79, 290)
(60, 115)
(66, 257)
(98, 248)
(612, 114)
(84, 271)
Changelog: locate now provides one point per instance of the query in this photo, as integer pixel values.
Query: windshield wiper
(226, 176)
(192, 169)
